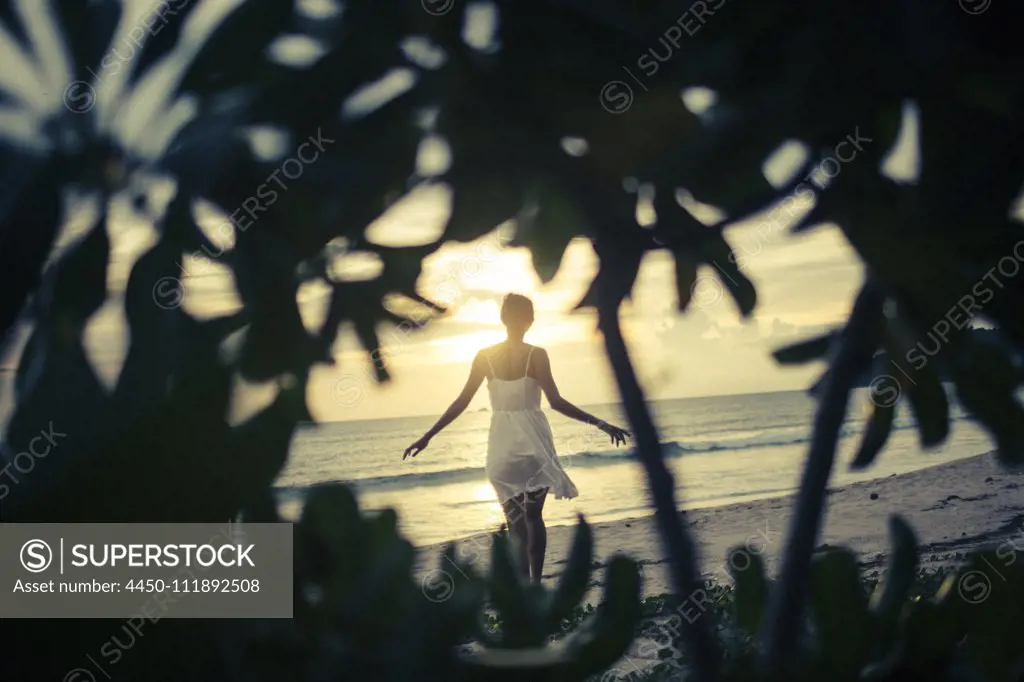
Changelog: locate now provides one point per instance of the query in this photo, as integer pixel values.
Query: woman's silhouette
(521, 461)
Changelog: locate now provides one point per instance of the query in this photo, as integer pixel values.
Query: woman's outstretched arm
(542, 369)
(458, 406)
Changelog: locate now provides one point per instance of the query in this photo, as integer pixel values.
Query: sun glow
(483, 493)
(464, 347)
(475, 311)
(457, 273)
(485, 329)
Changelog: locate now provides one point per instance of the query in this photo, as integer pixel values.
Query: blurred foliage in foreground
(912, 624)
(531, 116)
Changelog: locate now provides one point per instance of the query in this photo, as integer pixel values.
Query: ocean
(721, 450)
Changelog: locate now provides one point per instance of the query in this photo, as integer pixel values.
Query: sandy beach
(953, 508)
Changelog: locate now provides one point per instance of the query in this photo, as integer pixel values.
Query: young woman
(521, 461)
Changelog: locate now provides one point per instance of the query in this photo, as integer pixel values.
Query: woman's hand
(617, 435)
(417, 447)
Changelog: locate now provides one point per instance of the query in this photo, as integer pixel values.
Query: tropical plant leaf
(548, 231)
(35, 222)
(575, 580)
(876, 435)
(891, 594)
(89, 26)
(751, 591)
(686, 279)
(12, 22)
(606, 635)
(78, 286)
(985, 383)
(164, 35)
(839, 606)
(507, 591)
(233, 54)
(716, 252)
(930, 407)
(802, 352)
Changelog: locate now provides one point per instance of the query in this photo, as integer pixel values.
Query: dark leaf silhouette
(707, 121)
(233, 54)
(33, 224)
(164, 37)
(89, 29)
(806, 351)
(876, 434)
(930, 407)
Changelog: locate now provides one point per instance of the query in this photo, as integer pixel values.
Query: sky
(805, 283)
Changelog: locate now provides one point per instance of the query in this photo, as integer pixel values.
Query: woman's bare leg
(515, 515)
(537, 533)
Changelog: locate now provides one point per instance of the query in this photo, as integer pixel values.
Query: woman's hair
(516, 308)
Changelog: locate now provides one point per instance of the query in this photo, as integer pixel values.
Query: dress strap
(526, 371)
(488, 363)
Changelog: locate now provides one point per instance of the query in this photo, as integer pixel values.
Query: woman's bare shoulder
(491, 350)
(488, 353)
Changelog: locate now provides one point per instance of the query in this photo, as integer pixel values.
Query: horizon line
(655, 400)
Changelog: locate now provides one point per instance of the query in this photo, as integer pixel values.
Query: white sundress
(521, 453)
